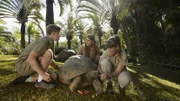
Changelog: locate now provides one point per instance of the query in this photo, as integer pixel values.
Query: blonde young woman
(90, 49)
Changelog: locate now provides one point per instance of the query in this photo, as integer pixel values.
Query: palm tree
(22, 10)
(50, 10)
(111, 10)
(33, 33)
(69, 28)
(98, 23)
(80, 30)
(4, 33)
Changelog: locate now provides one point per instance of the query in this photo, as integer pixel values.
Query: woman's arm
(80, 51)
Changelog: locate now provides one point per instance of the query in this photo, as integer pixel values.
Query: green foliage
(33, 33)
(9, 48)
(8, 43)
(151, 33)
(74, 44)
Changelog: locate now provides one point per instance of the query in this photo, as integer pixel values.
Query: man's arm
(113, 74)
(53, 64)
(33, 61)
(117, 71)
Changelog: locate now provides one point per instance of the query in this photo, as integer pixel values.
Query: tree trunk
(69, 44)
(99, 40)
(23, 35)
(81, 40)
(49, 12)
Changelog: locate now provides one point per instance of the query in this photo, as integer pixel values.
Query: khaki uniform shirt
(40, 46)
(115, 60)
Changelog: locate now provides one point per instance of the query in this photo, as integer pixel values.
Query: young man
(113, 65)
(36, 58)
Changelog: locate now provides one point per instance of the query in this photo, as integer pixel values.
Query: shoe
(122, 92)
(44, 85)
(19, 80)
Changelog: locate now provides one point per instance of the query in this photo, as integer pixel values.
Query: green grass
(151, 84)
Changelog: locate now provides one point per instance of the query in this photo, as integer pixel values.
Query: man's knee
(106, 66)
(124, 82)
(104, 62)
(48, 54)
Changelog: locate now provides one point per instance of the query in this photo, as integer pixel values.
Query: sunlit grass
(163, 81)
(151, 84)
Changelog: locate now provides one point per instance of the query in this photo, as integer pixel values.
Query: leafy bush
(9, 48)
(74, 44)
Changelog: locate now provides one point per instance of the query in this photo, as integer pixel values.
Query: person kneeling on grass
(32, 65)
(113, 65)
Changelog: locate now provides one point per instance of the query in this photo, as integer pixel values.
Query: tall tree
(49, 12)
(50, 9)
(112, 10)
(33, 33)
(22, 10)
(4, 33)
(69, 28)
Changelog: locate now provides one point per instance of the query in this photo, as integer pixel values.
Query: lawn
(151, 84)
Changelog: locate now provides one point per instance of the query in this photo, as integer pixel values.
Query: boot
(122, 92)
(109, 88)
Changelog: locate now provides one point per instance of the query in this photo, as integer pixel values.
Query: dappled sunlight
(148, 81)
(163, 81)
(8, 57)
(131, 70)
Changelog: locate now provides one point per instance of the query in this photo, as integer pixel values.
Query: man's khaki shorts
(24, 69)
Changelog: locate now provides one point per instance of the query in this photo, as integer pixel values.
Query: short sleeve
(41, 47)
(104, 55)
(124, 60)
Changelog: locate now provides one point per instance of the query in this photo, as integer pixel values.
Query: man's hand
(46, 77)
(103, 76)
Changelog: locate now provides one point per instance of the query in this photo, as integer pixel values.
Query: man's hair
(113, 41)
(52, 28)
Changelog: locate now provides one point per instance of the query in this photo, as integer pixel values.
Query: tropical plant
(111, 10)
(50, 10)
(33, 33)
(69, 28)
(23, 11)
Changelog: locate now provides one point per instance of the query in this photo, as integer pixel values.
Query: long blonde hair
(95, 49)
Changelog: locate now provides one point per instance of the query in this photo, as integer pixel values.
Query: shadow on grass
(150, 89)
(12, 60)
(27, 91)
(4, 72)
(165, 74)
